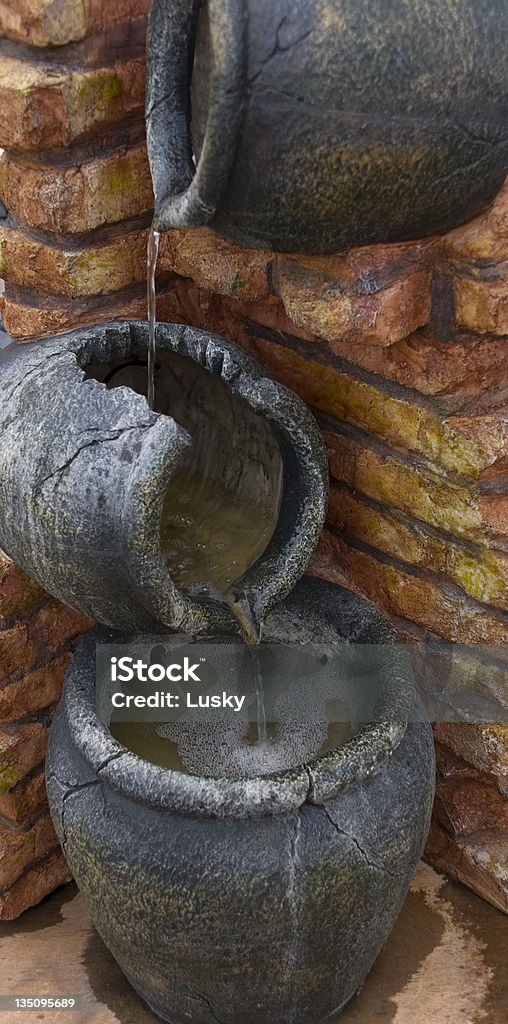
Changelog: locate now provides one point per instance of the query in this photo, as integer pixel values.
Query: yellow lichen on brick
(398, 421)
(77, 199)
(83, 271)
(482, 573)
(481, 304)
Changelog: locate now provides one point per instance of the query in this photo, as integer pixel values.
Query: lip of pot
(164, 789)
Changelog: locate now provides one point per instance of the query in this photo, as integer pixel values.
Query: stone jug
(85, 467)
(303, 126)
(252, 900)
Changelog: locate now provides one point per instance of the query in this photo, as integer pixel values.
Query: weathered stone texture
(402, 353)
(74, 271)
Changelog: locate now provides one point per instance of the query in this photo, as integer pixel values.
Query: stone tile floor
(446, 962)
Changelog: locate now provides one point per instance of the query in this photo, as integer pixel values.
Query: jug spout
(187, 195)
(248, 613)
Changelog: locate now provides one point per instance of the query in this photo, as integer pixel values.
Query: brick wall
(37, 637)
(400, 350)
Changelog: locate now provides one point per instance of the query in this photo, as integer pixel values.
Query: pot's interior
(311, 706)
(223, 502)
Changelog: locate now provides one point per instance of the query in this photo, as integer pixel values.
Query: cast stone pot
(249, 900)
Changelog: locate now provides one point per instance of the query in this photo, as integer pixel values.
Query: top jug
(320, 125)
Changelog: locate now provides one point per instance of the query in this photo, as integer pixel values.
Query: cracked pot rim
(315, 782)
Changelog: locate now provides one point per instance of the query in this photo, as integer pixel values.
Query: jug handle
(186, 195)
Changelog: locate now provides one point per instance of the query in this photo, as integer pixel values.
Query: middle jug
(94, 496)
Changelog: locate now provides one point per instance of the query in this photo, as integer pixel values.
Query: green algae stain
(8, 777)
(237, 284)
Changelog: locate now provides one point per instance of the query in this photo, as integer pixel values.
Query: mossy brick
(391, 479)
(44, 108)
(481, 573)
(77, 199)
(214, 263)
(86, 270)
(396, 419)
(481, 303)
(409, 595)
(22, 748)
(25, 798)
(380, 301)
(58, 22)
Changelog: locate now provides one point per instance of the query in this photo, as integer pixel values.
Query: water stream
(209, 538)
(152, 255)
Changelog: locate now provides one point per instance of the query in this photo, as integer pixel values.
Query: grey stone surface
(254, 901)
(322, 126)
(84, 469)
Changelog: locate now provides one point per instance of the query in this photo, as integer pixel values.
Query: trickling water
(209, 539)
(251, 632)
(260, 694)
(152, 254)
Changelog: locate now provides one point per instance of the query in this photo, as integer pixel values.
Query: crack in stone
(193, 994)
(354, 840)
(113, 436)
(29, 373)
(112, 757)
(72, 790)
(278, 48)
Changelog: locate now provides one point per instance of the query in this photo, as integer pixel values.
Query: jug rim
(318, 780)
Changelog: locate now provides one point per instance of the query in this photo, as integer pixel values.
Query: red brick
(401, 594)
(463, 806)
(20, 848)
(479, 861)
(44, 108)
(28, 796)
(33, 885)
(17, 650)
(57, 22)
(77, 199)
(39, 689)
(17, 591)
(56, 625)
(22, 748)
(77, 272)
